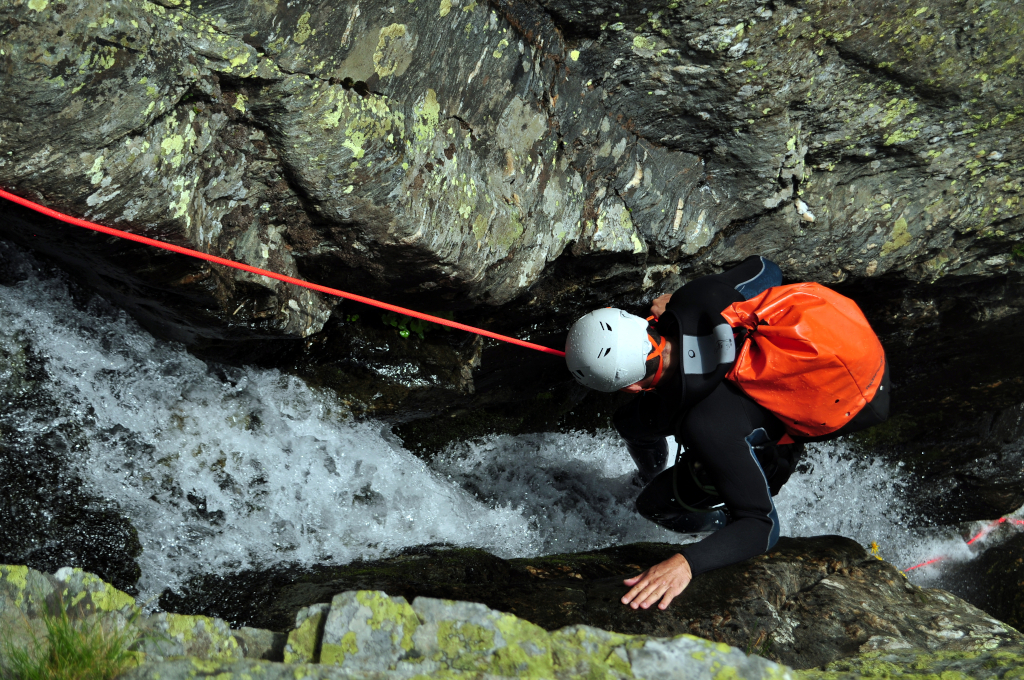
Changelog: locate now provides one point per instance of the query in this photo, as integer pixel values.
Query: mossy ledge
(367, 634)
(371, 634)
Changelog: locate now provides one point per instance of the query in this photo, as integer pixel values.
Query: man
(733, 463)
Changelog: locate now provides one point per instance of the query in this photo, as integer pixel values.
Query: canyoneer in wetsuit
(732, 463)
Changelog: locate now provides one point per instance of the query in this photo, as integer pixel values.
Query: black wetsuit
(730, 453)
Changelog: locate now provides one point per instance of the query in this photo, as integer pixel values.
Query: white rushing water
(221, 469)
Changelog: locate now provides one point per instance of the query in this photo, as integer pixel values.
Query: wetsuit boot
(650, 457)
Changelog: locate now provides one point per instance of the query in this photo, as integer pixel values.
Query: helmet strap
(657, 352)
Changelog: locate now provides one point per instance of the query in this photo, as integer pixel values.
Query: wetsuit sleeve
(721, 431)
(751, 277)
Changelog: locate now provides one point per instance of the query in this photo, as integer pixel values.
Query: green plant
(71, 650)
(408, 324)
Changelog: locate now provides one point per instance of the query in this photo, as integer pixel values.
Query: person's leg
(722, 434)
(677, 500)
(643, 425)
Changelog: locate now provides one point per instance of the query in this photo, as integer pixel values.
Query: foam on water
(838, 492)
(224, 468)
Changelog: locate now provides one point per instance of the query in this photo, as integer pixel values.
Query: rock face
(453, 151)
(956, 417)
(807, 603)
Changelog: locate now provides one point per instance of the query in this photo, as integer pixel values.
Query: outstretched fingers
(642, 587)
(664, 581)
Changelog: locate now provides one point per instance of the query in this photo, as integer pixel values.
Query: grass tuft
(71, 650)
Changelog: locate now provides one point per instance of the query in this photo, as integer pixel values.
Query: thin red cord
(985, 531)
(49, 212)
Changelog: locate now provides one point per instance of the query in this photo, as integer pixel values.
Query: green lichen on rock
(392, 53)
(590, 652)
(304, 639)
(1001, 664)
(368, 628)
(172, 635)
(899, 237)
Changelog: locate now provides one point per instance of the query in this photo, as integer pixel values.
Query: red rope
(985, 531)
(49, 212)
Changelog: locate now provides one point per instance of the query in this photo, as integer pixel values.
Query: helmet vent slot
(605, 326)
(603, 354)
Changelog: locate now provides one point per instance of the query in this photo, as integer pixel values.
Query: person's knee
(656, 499)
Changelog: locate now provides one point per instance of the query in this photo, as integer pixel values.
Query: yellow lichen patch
(336, 654)
(206, 666)
(528, 650)
(391, 614)
(37, 5)
(897, 108)
(302, 30)
(446, 6)
(427, 116)
(302, 641)
(900, 237)
(392, 53)
(179, 208)
(480, 227)
(575, 650)
(172, 146)
(463, 645)
(182, 626)
(104, 596)
(638, 245)
(727, 673)
(96, 171)
(239, 103)
(16, 575)
(368, 123)
(643, 43)
(575, 55)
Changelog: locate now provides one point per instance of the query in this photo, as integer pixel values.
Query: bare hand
(664, 581)
(658, 306)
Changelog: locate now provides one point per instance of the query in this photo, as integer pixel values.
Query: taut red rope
(49, 212)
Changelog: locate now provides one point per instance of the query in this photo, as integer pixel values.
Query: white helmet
(607, 349)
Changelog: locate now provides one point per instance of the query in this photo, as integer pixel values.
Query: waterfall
(221, 468)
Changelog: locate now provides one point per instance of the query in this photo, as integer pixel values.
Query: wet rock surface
(513, 164)
(995, 580)
(805, 604)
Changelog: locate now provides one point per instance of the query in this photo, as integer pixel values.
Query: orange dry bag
(811, 359)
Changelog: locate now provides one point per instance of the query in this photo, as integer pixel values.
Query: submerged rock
(805, 604)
